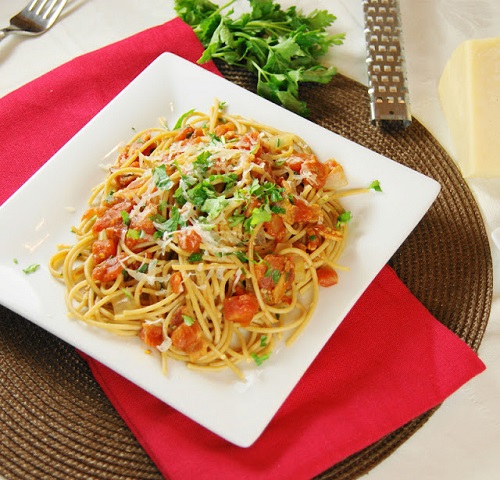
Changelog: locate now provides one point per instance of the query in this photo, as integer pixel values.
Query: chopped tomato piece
(275, 275)
(189, 241)
(313, 239)
(144, 224)
(249, 140)
(223, 129)
(275, 227)
(115, 233)
(103, 249)
(308, 165)
(123, 181)
(176, 282)
(240, 309)
(186, 132)
(189, 339)
(151, 335)
(98, 211)
(108, 270)
(314, 171)
(295, 163)
(112, 216)
(304, 213)
(327, 276)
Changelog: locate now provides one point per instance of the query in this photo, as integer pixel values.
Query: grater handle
(387, 79)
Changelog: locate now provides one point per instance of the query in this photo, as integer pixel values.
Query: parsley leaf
(260, 359)
(170, 225)
(343, 218)
(214, 206)
(161, 179)
(375, 185)
(259, 215)
(31, 268)
(195, 257)
(281, 47)
(188, 320)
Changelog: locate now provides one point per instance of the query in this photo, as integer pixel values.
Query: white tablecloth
(462, 439)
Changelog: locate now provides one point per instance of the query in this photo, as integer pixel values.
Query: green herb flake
(31, 268)
(260, 215)
(196, 257)
(134, 234)
(260, 359)
(161, 179)
(241, 257)
(188, 320)
(126, 292)
(143, 268)
(125, 217)
(344, 218)
(214, 206)
(375, 185)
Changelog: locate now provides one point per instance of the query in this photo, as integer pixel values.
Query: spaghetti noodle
(209, 241)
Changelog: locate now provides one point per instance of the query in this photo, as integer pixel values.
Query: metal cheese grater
(387, 82)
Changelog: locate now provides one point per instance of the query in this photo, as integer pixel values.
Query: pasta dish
(210, 241)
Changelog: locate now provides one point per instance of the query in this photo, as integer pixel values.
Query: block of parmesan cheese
(469, 91)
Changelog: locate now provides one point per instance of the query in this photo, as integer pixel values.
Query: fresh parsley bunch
(281, 47)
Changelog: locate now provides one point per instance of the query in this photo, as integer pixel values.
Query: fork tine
(49, 8)
(32, 5)
(41, 7)
(55, 8)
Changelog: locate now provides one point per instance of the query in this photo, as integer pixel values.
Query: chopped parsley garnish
(236, 220)
(268, 191)
(125, 217)
(188, 320)
(241, 257)
(259, 215)
(202, 162)
(110, 197)
(171, 225)
(134, 234)
(260, 359)
(375, 185)
(273, 273)
(161, 179)
(196, 257)
(277, 210)
(214, 206)
(143, 268)
(126, 292)
(344, 218)
(31, 268)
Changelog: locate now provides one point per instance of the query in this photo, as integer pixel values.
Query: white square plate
(169, 87)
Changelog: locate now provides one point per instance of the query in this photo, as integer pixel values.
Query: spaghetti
(209, 241)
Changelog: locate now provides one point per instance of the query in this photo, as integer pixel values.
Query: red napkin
(387, 363)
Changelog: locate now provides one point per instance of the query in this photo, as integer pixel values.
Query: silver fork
(37, 17)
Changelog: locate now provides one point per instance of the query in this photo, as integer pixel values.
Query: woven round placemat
(55, 421)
